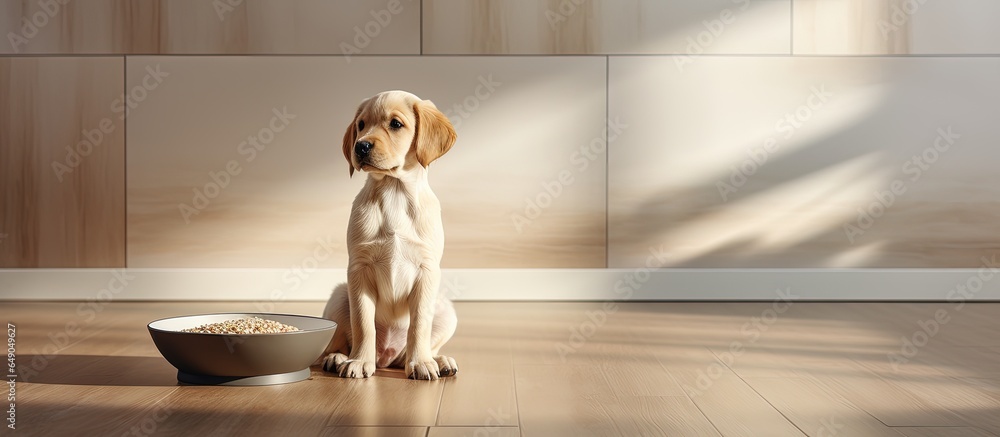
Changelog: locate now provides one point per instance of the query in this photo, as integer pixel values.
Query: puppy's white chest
(393, 225)
(391, 233)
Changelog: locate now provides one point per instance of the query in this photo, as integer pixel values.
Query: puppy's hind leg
(338, 309)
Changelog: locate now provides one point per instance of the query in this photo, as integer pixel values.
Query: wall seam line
(607, 161)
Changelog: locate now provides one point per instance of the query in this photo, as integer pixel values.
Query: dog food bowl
(241, 359)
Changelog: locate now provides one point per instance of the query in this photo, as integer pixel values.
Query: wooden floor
(547, 369)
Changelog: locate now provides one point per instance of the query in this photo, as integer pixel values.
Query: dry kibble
(254, 325)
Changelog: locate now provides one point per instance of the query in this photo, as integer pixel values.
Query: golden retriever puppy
(390, 314)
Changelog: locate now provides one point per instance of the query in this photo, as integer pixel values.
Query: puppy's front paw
(357, 369)
(332, 362)
(422, 369)
(446, 365)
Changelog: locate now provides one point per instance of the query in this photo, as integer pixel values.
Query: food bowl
(241, 359)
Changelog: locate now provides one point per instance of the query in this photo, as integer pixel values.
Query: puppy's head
(395, 131)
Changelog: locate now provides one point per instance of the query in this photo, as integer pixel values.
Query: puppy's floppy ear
(435, 134)
(350, 137)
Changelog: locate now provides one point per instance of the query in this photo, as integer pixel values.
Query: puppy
(389, 313)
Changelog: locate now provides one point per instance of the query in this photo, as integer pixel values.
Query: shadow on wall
(890, 174)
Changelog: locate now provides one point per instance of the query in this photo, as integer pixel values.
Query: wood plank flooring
(544, 369)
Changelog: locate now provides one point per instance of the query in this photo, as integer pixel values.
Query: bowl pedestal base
(278, 378)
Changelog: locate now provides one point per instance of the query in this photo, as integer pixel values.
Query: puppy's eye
(395, 124)
(361, 124)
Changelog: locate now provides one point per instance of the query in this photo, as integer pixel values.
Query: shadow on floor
(95, 370)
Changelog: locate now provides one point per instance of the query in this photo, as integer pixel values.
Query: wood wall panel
(543, 27)
(210, 27)
(62, 160)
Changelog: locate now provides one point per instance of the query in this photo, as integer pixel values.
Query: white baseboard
(512, 284)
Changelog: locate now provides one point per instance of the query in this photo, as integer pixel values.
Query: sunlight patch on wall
(783, 215)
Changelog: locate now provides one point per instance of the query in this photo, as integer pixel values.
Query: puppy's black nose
(362, 148)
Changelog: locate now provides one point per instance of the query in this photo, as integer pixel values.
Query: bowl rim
(150, 327)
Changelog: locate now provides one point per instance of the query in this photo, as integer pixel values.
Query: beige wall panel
(693, 175)
(62, 193)
(606, 26)
(521, 122)
(874, 27)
